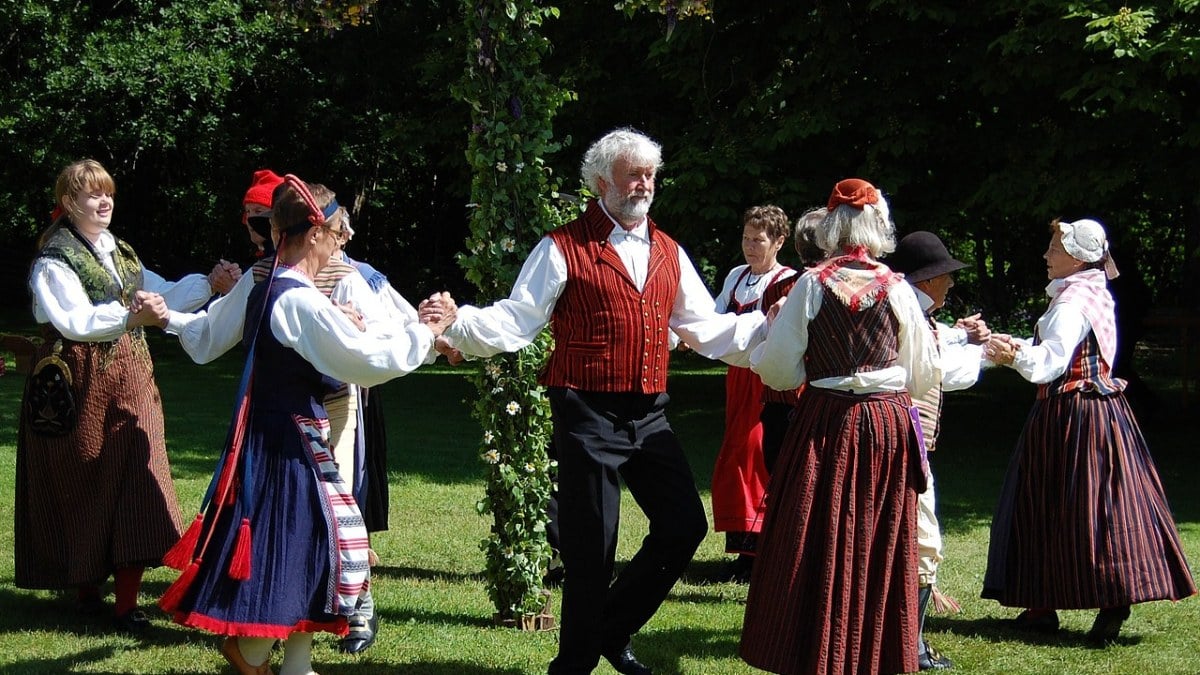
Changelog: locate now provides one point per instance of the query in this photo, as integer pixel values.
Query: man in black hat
(928, 267)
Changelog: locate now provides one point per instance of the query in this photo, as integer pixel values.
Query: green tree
(512, 106)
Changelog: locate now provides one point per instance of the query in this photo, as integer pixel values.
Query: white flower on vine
(518, 166)
(529, 467)
(491, 457)
(497, 390)
(492, 369)
(512, 408)
(508, 244)
(501, 167)
(488, 437)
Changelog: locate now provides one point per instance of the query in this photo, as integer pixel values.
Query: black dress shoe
(623, 661)
(1107, 626)
(932, 659)
(362, 634)
(1037, 620)
(133, 622)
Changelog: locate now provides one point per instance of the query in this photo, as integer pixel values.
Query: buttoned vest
(608, 336)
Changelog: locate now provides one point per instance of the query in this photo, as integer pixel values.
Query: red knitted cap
(853, 191)
(261, 186)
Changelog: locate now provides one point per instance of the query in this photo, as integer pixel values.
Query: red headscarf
(853, 191)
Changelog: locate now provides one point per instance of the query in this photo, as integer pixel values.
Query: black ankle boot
(1107, 625)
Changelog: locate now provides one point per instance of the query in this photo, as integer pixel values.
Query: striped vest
(929, 406)
(608, 336)
(327, 278)
(842, 342)
(1086, 372)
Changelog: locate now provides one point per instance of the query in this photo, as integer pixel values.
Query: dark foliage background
(980, 121)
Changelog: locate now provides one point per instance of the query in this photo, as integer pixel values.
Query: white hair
(624, 143)
(871, 227)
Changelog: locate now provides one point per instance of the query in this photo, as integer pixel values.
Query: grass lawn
(435, 614)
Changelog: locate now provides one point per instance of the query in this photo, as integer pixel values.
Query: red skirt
(740, 476)
(833, 588)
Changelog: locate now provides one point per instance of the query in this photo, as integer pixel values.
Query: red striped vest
(608, 336)
(1086, 372)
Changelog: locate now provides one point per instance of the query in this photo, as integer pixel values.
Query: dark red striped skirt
(834, 586)
(1083, 521)
(101, 497)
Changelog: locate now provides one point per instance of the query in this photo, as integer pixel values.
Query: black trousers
(602, 438)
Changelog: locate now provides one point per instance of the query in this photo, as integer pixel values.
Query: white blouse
(305, 320)
(206, 335)
(780, 360)
(744, 291)
(1060, 331)
(60, 300)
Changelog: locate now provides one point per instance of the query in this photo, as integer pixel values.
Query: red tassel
(239, 566)
(169, 602)
(181, 553)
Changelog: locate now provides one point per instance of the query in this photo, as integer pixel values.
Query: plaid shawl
(1087, 291)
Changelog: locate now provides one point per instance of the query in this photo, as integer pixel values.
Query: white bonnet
(1084, 239)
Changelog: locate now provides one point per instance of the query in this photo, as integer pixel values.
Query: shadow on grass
(1001, 630)
(388, 571)
(663, 651)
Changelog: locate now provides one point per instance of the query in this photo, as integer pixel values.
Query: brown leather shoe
(232, 654)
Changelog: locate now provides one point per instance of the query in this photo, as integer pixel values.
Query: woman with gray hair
(1082, 520)
(831, 590)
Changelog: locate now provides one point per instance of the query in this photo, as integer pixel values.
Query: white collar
(105, 243)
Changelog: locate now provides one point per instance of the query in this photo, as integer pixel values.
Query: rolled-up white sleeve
(305, 320)
(513, 323)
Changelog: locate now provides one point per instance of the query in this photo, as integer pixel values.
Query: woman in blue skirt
(280, 550)
(1082, 522)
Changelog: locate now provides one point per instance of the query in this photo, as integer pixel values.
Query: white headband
(1084, 239)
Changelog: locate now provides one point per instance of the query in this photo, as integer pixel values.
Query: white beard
(624, 208)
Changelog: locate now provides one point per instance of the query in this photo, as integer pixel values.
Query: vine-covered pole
(512, 205)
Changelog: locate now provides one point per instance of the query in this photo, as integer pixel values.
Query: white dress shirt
(513, 323)
(961, 360)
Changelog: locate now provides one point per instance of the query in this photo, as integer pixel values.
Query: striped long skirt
(1083, 521)
(834, 586)
(100, 497)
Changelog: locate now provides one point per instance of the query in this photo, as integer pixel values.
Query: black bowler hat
(920, 256)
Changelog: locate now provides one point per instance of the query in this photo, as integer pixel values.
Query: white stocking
(297, 655)
(256, 651)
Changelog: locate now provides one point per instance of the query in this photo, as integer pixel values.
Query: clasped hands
(1001, 349)
(438, 311)
(147, 309)
(224, 276)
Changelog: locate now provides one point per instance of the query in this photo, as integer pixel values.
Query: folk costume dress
(100, 496)
(739, 480)
(281, 546)
(1082, 521)
(832, 587)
